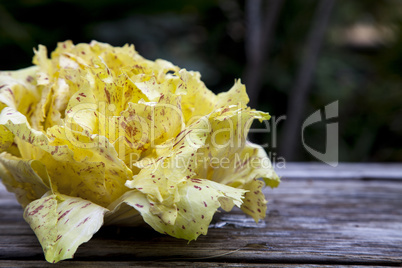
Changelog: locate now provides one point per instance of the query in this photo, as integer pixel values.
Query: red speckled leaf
(62, 223)
(198, 201)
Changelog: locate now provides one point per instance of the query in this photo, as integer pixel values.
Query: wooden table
(319, 216)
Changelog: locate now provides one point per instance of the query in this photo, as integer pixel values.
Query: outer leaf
(199, 200)
(62, 223)
(254, 204)
(246, 164)
(242, 171)
(28, 179)
(226, 139)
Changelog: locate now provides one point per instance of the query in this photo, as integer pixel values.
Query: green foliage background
(209, 36)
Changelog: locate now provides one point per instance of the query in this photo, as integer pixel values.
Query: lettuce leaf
(70, 221)
(191, 215)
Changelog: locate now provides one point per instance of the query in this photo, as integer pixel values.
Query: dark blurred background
(295, 56)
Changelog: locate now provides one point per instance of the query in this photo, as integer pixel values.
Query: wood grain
(320, 221)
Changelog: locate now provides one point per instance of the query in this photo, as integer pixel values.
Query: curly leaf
(62, 223)
(199, 200)
(28, 179)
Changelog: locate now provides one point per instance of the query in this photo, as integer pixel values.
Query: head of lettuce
(98, 135)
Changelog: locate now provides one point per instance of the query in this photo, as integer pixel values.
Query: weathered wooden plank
(342, 170)
(310, 221)
(91, 264)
